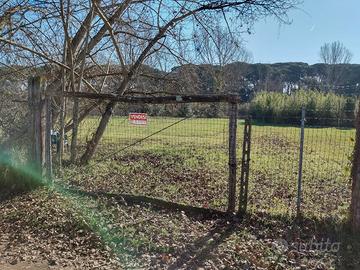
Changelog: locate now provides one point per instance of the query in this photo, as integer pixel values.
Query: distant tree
(335, 55)
(217, 47)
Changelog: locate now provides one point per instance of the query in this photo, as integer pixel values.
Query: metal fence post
(299, 191)
(245, 167)
(233, 110)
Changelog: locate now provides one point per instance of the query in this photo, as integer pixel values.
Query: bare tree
(73, 41)
(334, 55)
(218, 46)
(166, 27)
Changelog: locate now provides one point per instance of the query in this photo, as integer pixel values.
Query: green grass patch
(188, 163)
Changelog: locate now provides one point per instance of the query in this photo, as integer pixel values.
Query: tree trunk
(91, 146)
(355, 173)
(81, 117)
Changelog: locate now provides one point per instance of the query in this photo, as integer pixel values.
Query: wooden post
(48, 156)
(245, 168)
(37, 153)
(233, 110)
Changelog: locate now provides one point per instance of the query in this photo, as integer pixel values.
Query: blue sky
(313, 24)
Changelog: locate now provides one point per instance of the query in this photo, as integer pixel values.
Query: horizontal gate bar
(157, 100)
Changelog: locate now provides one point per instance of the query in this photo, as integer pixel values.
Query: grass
(174, 163)
(187, 164)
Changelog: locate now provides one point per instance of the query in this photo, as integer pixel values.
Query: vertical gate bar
(245, 168)
(301, 154)
(233, 110)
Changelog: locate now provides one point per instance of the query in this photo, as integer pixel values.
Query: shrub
(321, 108)
(16, 178)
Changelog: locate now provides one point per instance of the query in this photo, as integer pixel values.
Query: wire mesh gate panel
(174, 164)
(328, 146)
(182, 159)
(328, 152)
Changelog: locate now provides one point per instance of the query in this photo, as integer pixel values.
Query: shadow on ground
(7, 194)
(277, 227)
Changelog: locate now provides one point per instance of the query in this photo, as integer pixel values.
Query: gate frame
(245, 167)
(232, 101)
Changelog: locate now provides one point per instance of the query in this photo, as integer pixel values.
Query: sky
(313, 23)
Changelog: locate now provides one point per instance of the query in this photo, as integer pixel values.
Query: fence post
(37, 153)
(73, 147)
(299, 191)
(245, 167)
(233, 111)
(61, 130)
(48, 156)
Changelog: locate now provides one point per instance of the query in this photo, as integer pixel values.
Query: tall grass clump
(321, 108)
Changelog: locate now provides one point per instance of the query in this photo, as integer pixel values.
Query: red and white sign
(138, 118)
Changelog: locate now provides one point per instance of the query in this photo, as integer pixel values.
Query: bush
(321, 108)
(16, 178)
